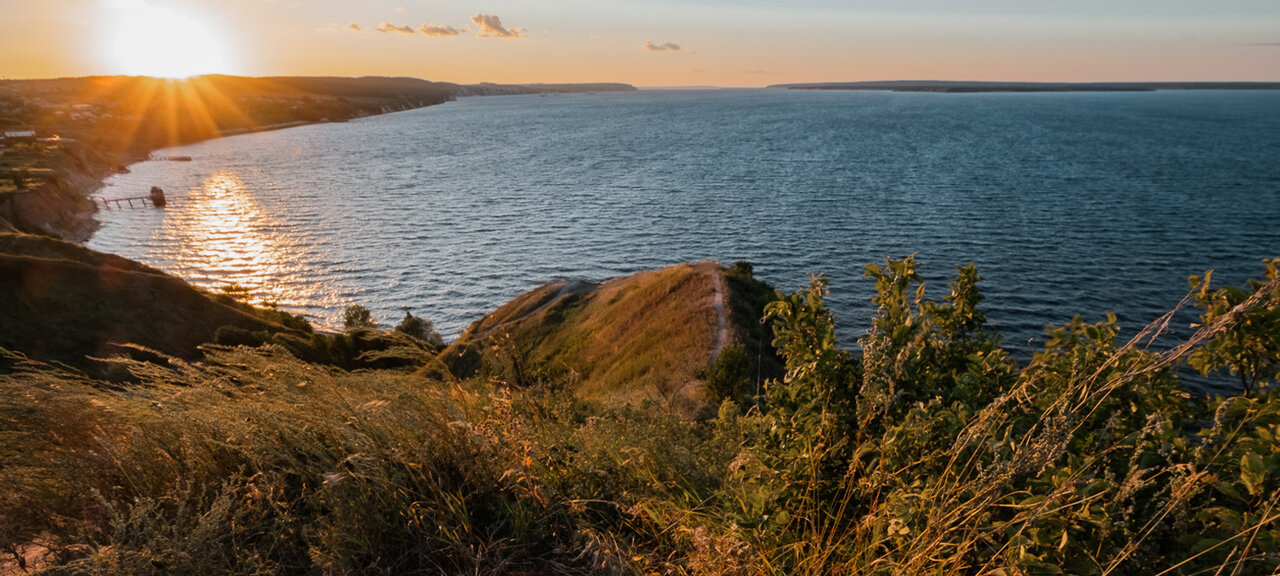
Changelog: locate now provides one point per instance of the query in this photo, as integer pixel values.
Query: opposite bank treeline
(62, 136)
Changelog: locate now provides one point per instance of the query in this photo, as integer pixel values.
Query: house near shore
(19, 137)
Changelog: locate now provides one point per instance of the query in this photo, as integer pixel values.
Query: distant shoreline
(976, 87)
(107, 136)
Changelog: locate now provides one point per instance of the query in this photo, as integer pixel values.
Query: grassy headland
(651, 335)
(926, 451)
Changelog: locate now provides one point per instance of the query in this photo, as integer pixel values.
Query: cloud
(438, 30)
(490, 26)
(431, 30)
(664, 47)
(400, 10)
(388, 27)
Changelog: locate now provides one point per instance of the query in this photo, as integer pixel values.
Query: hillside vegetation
(928, 451)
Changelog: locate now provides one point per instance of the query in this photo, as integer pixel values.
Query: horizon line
(655, 86)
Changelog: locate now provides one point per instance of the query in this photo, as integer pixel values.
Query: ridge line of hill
(722, 322)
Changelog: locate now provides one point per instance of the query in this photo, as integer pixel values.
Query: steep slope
(60, 301)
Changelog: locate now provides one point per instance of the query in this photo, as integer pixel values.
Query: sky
(649, 43)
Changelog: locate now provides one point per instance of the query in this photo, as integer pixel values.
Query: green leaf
(1252, 472)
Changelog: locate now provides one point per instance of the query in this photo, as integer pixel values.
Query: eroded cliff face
(50, 210)
(60, 177)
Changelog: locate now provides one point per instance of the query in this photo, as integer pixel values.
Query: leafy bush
(1248, 345)
(933, 453)
(731, 376)
(421, 329)
(356, 316)
(236, 336)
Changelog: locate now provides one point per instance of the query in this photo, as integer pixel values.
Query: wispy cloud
(664, 47)
(438, 30)
(388, 27)
(490, 26)
(1271, 44)
(432, 30)
(429, 30)
(400, 10)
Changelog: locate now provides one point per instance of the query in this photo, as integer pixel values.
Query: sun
(159, 42)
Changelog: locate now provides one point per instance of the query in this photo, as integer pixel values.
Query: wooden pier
(142, 202)
(155, 199)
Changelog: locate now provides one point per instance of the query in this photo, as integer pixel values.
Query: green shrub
(933, 453)
(236, 336)
(1247, 342)
(421, 329)
(292, 321)
(356, 317)
(731, 376)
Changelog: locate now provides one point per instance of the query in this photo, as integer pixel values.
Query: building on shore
(19, 137)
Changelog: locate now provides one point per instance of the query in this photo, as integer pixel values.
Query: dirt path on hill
(722, 334)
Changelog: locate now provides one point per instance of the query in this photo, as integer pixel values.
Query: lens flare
(154, 41)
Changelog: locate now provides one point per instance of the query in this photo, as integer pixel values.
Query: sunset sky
(651, 43)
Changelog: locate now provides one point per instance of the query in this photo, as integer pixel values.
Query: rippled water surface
(1068, 203)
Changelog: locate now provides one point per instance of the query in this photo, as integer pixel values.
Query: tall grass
(256, 462)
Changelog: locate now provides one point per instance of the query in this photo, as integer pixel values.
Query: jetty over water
(155, 199)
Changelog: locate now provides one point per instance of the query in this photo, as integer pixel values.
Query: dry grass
(256, 462)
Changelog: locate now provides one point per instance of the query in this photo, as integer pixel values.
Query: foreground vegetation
(928, 452)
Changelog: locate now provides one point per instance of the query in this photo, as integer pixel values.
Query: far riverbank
(87, 129)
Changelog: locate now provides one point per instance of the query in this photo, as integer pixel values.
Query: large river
(1068, 203)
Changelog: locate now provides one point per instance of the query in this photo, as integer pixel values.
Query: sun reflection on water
(229, 241)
